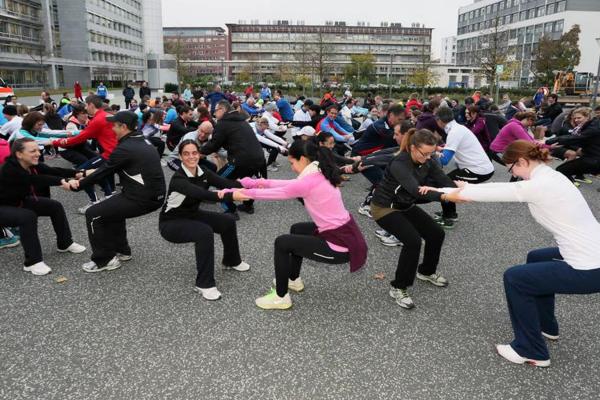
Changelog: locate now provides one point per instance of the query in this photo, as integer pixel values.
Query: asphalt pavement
(141, 332)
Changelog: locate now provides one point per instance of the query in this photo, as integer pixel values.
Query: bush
(171, 87)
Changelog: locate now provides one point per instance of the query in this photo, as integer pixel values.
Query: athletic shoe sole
(285, 306)
(9, 245)
(105, 268)
(425, 278)
(387, 244)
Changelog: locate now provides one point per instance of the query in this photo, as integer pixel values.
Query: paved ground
(142, 333)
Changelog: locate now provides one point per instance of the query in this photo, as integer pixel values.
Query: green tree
(556, 55)
(361, 67)
(423, 74)
(176, 47)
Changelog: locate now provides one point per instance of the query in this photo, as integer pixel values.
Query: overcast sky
(438, 14)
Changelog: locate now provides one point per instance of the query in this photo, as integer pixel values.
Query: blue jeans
(530, 290)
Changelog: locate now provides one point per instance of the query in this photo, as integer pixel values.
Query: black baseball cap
(125, 117)
(9, 110)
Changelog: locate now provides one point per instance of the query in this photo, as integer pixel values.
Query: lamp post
(595, 94)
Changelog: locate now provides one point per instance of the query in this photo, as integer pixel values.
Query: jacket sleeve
(215, 143)
(219, 182)
(117, 160)
(56, 171)
(90, 132)
(295, 188)
(181, 184)
(407, 181)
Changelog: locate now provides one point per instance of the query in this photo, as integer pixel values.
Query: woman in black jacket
(584, 142)
(20, 206)
(394, 208)
(181, 221)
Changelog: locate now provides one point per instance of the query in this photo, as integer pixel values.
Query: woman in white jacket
(571, 268)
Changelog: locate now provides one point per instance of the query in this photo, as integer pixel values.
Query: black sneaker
(439, 215)
(445, 223)
(234, 214)
(248, 209)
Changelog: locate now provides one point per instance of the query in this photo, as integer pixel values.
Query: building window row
(20, 9)
(287, 36)
(114, 9)
(523, 15)
(115, 42)
(114, 25)
(9, 29)
(19, 49)
(103, 56)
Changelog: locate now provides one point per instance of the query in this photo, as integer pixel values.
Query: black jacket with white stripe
(187, 191)
(139, 169)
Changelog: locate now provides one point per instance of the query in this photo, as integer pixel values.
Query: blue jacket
(327, 125)
(379, 135)
(214, 98)
(171, 116)
(265, 93)
(102, 91)
(285, 109)
(252, 110)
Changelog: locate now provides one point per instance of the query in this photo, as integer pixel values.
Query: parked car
(5, 90)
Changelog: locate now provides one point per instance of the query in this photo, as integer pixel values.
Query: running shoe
(124, 257)
(507, 352)
(365, 210)
(82, 210)
(439, 215)
(381, 233)
(248, 209)
(294, 285)
(241, 267)
(210, 294)
(38, 269)
(583, 179)
(74, 248)
(272, 168)
(12, 241)
(271, 301)
(390, 241)
(402, 298)
(434, 279)
(92, 267)
(445, 223)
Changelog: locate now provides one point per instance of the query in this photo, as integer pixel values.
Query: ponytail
(524, 149)
(313, 152)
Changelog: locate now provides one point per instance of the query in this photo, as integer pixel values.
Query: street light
(595, 94)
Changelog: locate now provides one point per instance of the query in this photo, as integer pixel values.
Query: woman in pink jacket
(332, 237)
(515, 129)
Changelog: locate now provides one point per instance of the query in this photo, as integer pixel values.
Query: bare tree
(423, 75)
(492, 50)
(303, 52)
(177, 48)
(40, 56)
(321, 58)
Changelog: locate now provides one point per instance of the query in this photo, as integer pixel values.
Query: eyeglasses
(511, 168)
(425, 155)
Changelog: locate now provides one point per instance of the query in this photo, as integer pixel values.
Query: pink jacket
(512, 131)
(322, 201)
(4, 150)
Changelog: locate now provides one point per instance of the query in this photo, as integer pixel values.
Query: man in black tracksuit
(141, 176)
(244, 153)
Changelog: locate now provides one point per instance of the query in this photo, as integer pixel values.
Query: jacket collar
(189, 174)
(311, 168)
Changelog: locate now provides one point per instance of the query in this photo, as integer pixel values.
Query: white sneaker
(242, 267)
(365, 210)
(74, 248)
(434, 279)
(271, 301)
(211, 294)
(38, 269)
(381, 233)
(124, 257)
(272, 168)
(82, 210)
(110, 266)
(402, 298)
(507, 352)
(295, 285)
(390, 241)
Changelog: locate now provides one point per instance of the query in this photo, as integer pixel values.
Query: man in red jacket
(100, 130)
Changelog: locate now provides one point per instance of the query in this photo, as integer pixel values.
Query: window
(561, 6)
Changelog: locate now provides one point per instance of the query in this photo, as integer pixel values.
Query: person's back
(512, 131)
(141, 176)
(285, 109)
(494, 123)
(468, 151)
(235, 135)
(379, 135)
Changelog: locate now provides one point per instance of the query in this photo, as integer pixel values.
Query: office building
(197, 43)
(524, 22)
(281, 48)
(448, 50)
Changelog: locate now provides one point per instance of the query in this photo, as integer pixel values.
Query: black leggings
(409, 227)
(579, 166)
(26, 218)
(301, 243)
(449, 208)
(233, 172)
(106, 227)
(273, 153)
(200, 229)
(158, 143)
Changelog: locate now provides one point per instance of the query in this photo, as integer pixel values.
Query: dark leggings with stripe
(448, 208)
(301, 243)
(234, 172)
